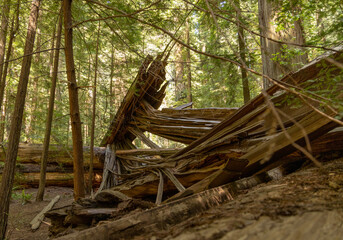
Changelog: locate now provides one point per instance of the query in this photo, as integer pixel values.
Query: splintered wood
(282, 126)
(260, 134)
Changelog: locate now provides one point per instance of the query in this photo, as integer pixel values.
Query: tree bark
(44, 160)
(242, 49)
(8, 172)
(79, 183)
(14, 29)
(189, 71)
(268, 11)
(90, 178)
(179, 71)
(112, 86)
(3, 31)
(51, 59)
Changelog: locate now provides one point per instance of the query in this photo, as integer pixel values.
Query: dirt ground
(20, 214)
(307, 204)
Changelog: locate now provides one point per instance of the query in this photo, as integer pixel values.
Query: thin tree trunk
(51, 59)
(189, 70)
(242, 49)
(112, 87)
(3, 32)
(12, 151)
(79, 182)
(44, 160)
(3, 120)
(90, 178)
(14, 29)
(179, 71)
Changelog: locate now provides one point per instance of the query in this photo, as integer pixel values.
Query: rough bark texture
(242, 49)
(79, 184)
(44, 160)
(17, 117)
(269, 49)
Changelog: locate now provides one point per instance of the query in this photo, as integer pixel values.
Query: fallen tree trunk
(52, 179)
(32, 153)
(165, 215)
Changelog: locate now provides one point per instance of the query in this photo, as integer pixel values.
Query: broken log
(35, 223)
(171, 213)
(52, 179)
(32, 153)
(147, 152)
(254, 132)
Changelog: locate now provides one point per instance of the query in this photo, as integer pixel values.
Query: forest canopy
(210, 42)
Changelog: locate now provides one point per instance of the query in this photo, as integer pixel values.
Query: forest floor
(307, 204)
(22, 212)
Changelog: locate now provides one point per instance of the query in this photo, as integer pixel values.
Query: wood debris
(275, 128)
(35, 223)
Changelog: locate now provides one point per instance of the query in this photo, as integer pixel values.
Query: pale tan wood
(35, 223)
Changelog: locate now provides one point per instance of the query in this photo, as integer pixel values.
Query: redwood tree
(79, 182)
(17, 117)
(293, 32)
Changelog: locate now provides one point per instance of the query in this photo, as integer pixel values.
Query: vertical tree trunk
(189, 70)
(44, 160)
(3, 32)
(13, 31)
(90, 178)
(53, 53)
(79, 182)
(268, 11)
(242, 49)
(268, 48)
(112, 87)
(12, 151)
(179, 71)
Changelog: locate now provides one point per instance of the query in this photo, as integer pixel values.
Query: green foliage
(22, 196)
(215, 83)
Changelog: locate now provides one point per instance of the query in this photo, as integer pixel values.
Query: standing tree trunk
(242, 49)
(3, 32)
(44, 160)
(268, 48)
(79, 182)
(179, 71)
(112, 86)
(13, 31)
(51, 59)
(90, 178)
(17, 117)
(268, 12)
(189, 70)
